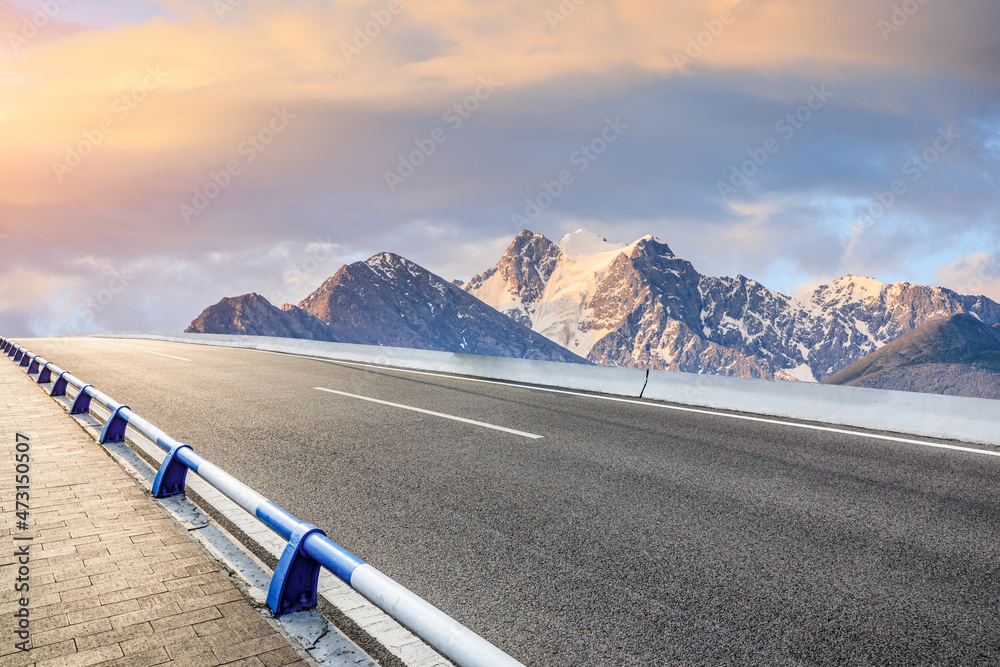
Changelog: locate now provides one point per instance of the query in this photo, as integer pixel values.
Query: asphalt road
(628, 534)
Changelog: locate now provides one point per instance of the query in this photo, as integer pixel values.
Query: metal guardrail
(294, 583)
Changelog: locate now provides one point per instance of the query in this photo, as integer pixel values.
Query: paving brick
(133, 592)
(246, 662)
(63, 608)
(114, 636)
(49, 623)
(203, 659)
(139, 616)
(155, 656)
(65, 632)
(38, 654)
(103, 611)
(86, 658)
(200, 600)
(285, 655)
(41, 600)
(187, 618)
(91, 593)
(181, 636)
(249, 647)
(192, 580)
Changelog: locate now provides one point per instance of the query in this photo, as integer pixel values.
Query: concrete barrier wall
(949, 417)
(967, 419)
(618, 381)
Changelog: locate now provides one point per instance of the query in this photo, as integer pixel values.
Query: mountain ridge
(386, 300)
(612, 304)
(584, 298)
(959, 356)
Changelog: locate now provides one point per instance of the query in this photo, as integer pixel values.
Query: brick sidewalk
(113, 581)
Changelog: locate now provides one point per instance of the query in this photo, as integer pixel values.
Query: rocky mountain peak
(650, 245)
(851, 288)
(390, 264)
(525, 237)
(522, 272)
(530, 246)
(385, 259)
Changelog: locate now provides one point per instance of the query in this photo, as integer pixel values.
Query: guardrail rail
(294, 583)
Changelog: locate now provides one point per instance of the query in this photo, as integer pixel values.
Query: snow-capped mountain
(386, 300)
(617, 304)
(640, 305)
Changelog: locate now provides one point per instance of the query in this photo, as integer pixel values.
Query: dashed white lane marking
(169, 356)
(431, 412)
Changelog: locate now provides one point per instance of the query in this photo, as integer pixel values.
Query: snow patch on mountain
(582, 243)
(802, 373)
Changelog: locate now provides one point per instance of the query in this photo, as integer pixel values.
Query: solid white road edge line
(765, 420)
(169, 356)
(430, 412)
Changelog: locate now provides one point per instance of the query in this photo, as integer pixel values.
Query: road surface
(577, 530)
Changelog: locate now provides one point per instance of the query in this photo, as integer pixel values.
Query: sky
(157, 156)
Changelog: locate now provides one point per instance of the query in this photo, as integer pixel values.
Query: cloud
(156, 291)
(978, 274)
(25, 28)
(166, 101)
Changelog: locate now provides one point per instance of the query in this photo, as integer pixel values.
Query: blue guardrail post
(295, 580)
(114, 428)
(171, 475)
(82, 403)
(45, 375)
(59, 388)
